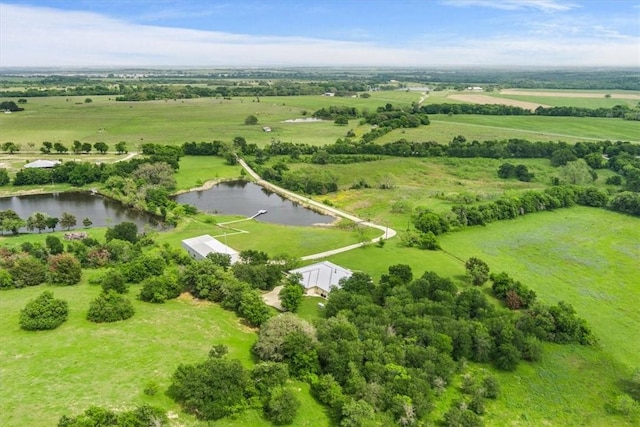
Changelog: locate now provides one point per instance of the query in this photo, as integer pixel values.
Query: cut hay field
(534, 127)
(488, 99)
(550, 98)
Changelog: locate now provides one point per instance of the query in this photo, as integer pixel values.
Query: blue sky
(320, 33)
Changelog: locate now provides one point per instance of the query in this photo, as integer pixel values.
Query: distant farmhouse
(319, 278)
(201, 246)
(42, 164)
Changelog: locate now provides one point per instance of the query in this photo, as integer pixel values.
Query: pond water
(246, 198)
(235, 198)
(100, 210)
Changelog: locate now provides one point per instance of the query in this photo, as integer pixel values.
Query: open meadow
(585, 256)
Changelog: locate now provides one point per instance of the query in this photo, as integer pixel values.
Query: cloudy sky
(319, 33)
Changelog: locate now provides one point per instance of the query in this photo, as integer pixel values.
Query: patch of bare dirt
(476, 98)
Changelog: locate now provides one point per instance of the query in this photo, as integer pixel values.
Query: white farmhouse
(319, 278)
(199, 247)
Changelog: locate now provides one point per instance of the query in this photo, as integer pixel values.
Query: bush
(282, 407)
(159, 289)
(213, 389)
(110, 307)
(6, 281)
(43, 313)
(28, 271)
(64, 269)
(113, 280)
(142, 416)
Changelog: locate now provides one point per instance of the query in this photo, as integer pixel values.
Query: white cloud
(544, 5)
(47, 37)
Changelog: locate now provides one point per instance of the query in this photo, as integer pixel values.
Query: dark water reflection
(100, 210)
(246, 198)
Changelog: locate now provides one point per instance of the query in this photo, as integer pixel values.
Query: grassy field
(81, 364)
(60, 119)
(437, 183)
(196, 170)
(569, 102)
(588, 257)
(534, 128)
(244, 235)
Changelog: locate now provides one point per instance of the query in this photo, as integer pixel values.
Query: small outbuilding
(42, 164)
(319, 278)
(201, 246)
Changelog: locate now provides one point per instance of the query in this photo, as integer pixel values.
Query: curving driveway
(387, 232)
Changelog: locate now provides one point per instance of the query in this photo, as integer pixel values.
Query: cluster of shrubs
(142, 416)
(508, 170)
(219, 387)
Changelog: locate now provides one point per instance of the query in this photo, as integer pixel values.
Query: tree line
(617, 111)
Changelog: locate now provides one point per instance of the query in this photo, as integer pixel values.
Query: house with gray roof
(319, 278)
(201, 246)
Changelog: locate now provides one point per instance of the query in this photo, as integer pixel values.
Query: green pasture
(585, 256)
(60, 119)
(437, 183)
(64, 371)
(444, 128)
(196, 170)
(273, 239)
(571, 386)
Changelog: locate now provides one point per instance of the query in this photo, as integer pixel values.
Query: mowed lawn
(587, 257)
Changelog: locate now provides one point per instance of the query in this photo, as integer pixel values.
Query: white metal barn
(199, 247)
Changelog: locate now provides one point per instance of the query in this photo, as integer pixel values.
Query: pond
(247, 199)
(103, 212)
(234, 198)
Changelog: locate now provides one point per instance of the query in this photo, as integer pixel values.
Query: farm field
(585, 256)
(554, 128)
(177, 121)
(553, 98)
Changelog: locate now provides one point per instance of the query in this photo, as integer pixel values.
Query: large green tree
(67, 220)
(477, 270)
(211, 390)
(291, 295)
